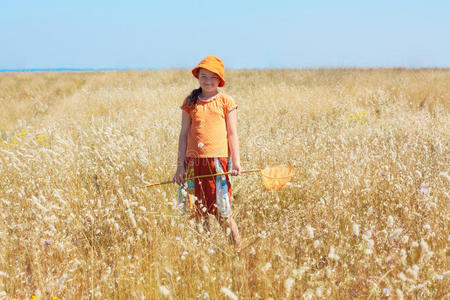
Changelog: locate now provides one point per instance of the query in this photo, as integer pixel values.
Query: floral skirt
(207, 195)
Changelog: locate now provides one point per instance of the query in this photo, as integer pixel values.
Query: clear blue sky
(245, 34)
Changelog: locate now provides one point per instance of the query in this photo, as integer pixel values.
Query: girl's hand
(236, 170)
(180, 176)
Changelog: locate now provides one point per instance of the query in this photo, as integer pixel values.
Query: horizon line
(181, 68)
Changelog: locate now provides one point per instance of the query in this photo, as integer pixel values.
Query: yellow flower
(22, 133)
(41, 138)
(34, 297)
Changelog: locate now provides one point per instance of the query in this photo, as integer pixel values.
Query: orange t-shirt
(207, 135)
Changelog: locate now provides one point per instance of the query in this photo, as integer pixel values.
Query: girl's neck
(205, 96)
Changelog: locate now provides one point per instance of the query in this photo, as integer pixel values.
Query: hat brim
(195, 73)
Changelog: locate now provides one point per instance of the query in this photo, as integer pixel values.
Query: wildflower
(444, 175)
(310, 231)
(131, 216)
(266, 267)
(355, 229)
(316, 243)
(227, 292)
(403, 256)
(164, 290)
(22, 133)
(425, 249)
(288, 283)
(205, 269)
(332, 255)
(413, 271)
(399, 293)
(319, 292)
(387, 291)
(424, 190)
(405, 239)
(396, 233)
(390, 221)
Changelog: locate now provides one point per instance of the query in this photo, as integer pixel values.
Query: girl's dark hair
(193, 97)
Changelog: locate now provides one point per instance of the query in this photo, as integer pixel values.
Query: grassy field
(365, 216)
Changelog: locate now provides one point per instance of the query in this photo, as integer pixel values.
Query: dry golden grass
(366, 215)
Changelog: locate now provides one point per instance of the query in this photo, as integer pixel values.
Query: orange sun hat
(214, 64)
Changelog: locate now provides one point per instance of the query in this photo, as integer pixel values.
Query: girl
(207, 138)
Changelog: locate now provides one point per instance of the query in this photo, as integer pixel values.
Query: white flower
(402, 276)
(405, 239)
(390, 221)
(200, 145)
(227, 292)
(288, 283)
(332, 255)
(413, 271)
(316, 243)
(355, 229)
(399, 293)
(396, 233)
(403, 256)
(424, 190)
(164, 290)
(319, 292)
(425, 249)
(266, 267)
(310, 231)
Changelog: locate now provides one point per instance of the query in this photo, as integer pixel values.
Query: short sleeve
(229, 105)
(185, 107)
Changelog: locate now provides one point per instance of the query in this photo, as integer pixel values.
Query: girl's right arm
(180, 174)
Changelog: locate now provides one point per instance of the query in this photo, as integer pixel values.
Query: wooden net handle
(203, 176)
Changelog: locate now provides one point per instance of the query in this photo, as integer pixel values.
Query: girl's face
(209, 82)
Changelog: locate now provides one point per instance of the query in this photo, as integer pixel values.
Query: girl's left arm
(233, 140)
